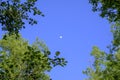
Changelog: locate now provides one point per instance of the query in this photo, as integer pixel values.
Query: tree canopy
(106, 65)
(20, 60)
(13, 14)
(109, 9)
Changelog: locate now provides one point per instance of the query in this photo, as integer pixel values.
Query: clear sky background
(81, 29)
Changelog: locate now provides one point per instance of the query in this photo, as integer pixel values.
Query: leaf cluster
(109, 9)
(116, 34)
(21, 61)
(14, 13)
(105, 66)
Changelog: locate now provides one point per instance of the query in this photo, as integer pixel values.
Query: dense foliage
(13, 14)
(106, 66)
(21, 61)
(107, 8)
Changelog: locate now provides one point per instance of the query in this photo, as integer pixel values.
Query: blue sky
(81, 29)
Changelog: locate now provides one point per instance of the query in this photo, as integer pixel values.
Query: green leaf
(57, 53)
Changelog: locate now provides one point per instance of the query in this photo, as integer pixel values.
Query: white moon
(60, 37)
